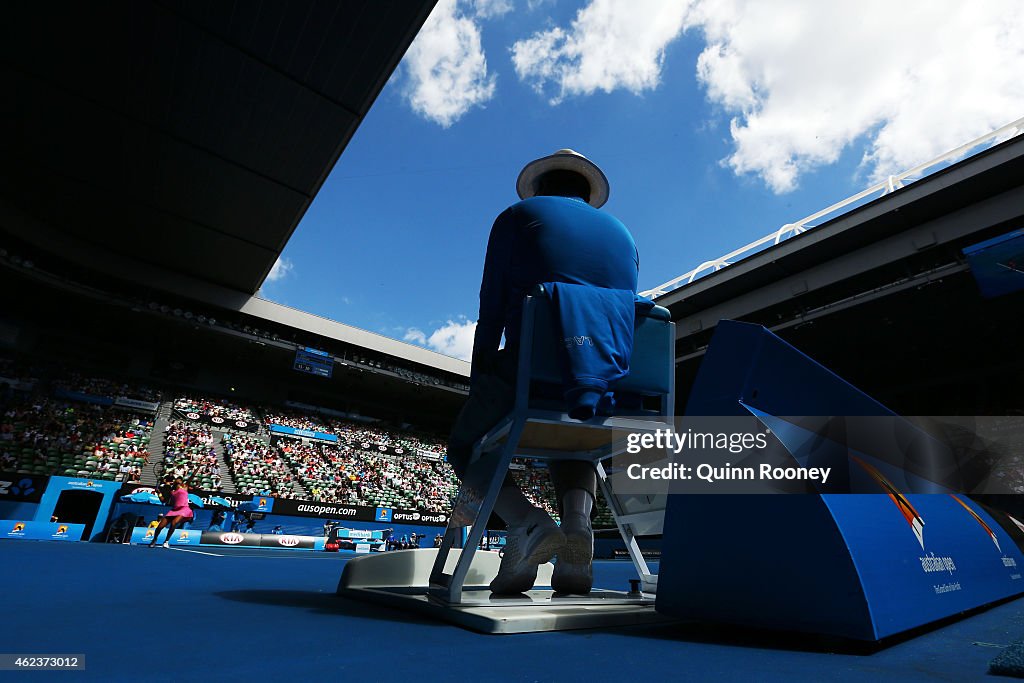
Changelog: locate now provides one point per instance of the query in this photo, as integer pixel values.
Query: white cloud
(454, 338)
(416, 336)
(610, 45)
(445, 65)
(491, 9)
(804, 79)
(280, 269)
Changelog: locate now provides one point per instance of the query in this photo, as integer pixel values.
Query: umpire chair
(538, 427)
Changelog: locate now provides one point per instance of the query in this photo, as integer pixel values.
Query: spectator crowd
(46, 435)
(257, 467)
(43, 435)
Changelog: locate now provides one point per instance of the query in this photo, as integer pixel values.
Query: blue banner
(104, 486)
(84, 398)
(359, 533)
(306, 433)
(41, 531)
(258, 504)
(23, 488)
(125, 402)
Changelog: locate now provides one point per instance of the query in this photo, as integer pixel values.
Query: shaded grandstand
(73, 424)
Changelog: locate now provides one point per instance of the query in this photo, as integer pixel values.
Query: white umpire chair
(452, 581)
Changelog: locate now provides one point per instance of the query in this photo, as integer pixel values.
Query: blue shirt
(547, 239)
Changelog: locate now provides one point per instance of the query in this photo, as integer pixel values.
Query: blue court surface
(213, 614)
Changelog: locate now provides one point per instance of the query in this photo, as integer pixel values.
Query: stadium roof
(189, 135)
(972, 198)
(178, 144)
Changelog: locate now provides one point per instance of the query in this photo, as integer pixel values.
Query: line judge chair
(540, 428)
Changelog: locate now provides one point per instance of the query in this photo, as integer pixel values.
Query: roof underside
(191, 136)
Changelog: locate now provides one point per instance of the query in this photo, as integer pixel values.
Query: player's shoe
(526, 548)
(166, 544)
(574, 570)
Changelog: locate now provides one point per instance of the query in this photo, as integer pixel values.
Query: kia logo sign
(241, 424)
(217, 420)
(192, 416)
(288, 541)
(232, 539)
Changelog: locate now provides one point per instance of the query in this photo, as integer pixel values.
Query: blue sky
(715, 121)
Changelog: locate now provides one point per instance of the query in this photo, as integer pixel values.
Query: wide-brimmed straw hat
(564, 160)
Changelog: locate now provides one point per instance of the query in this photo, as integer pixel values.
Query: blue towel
(595, 326)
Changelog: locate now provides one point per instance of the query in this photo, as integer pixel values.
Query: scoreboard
(314, 361)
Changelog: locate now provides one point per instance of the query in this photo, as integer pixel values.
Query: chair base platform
(401, 579)
(532, 612)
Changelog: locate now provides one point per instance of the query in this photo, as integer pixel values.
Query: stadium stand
(47, 436)
(213, 407)
(341, 473)
(371, 463)
(295, 420)
(102, 386)
(257, 467)
(188, 446)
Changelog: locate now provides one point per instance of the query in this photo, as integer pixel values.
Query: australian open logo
(288, 541)
(232, 538)
(572, 342)
(23, 488)
(18, 528)
(62, 530)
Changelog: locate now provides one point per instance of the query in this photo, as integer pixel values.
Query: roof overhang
(190, 136)
(969, 200)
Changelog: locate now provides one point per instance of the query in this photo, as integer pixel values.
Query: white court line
(200, 552)
(262, 557)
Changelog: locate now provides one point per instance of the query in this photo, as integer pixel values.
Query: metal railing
(890, 184)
